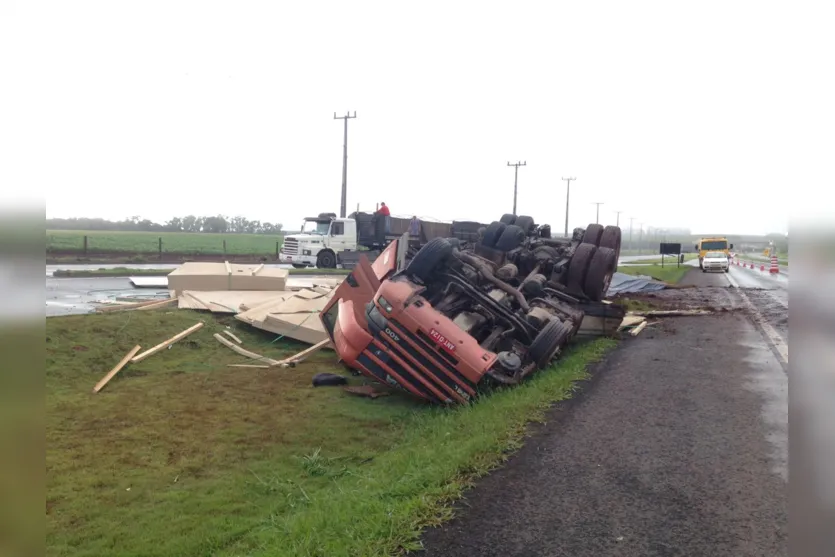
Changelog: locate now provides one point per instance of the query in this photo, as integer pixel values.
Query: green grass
(133, 272)
(687, 257)
(669, 273)
(172, 242)
(182, 455)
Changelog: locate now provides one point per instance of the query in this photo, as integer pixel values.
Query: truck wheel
(299, 266)
(429, 258)
(578, 267)
(493, 233)
(611, 238)
(599, 275)
(525, 223)
(549, 340)
(326, 260)
(592, 234)
(508, 218)
(511, 238)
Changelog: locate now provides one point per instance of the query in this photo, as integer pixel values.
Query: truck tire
(429, 258)
(493, 233)
(525, 223)
(611, 238)
(508, 218)
(549, 340)
(326, 260)
(578, 267)
(592, 234)
(511, 238)
(599, 275)
(299, 266)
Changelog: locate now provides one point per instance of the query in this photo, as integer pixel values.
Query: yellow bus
(716, 243)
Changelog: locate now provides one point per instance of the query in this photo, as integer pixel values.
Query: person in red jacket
(384, 212)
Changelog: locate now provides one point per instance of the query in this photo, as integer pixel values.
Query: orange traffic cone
(775, 267)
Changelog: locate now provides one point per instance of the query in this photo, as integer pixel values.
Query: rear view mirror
(732, 246)
(697, 248)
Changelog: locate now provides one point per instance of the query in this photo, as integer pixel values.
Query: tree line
(213, 225)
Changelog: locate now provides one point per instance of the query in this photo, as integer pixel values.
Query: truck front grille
(291, 246)
(440, 375)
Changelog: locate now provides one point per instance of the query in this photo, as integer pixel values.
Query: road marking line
(771, 334)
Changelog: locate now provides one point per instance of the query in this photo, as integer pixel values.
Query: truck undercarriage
(463, 315)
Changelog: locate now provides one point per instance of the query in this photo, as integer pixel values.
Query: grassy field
(133, 272)
(72, 241)
(668, 273)
(657, 259)
(182, 455)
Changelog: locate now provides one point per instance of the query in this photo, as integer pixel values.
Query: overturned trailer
(458, 315)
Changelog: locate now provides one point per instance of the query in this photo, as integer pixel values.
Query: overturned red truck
(461, 315)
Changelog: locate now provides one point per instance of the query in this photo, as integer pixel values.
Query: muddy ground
(678, 445)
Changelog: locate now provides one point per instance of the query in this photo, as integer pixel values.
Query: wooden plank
(133, 305)
(158, 304)
(257, 269)
(249, 365)
(244, 352)
(305, 353)
(634, 332)
(100, 385)
(166, 344)
(232, 336)
(673, 313)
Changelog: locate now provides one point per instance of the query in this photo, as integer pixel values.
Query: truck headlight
(384, 304)
(305, 252)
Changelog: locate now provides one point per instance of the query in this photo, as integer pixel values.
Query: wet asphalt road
(678, 445)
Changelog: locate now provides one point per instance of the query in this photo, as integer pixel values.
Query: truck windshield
(316, 227)
(715, 244)
(715, 255)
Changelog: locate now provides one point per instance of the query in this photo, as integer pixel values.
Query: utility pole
(617, 222)
(567, 189)
(597, 218)
(631, 245)
(344, 205)
(640, 237)
(516, 180)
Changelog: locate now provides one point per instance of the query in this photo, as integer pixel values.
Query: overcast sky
(695, 115)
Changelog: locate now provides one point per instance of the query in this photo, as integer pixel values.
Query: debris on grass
(167, 343)
(100, 385)
(231, 335)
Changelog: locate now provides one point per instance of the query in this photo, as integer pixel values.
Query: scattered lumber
(166, 344)
(303, 354)
(112, 373)
(244, 352)
(673, 313)
(634, 332)
(231, 335)
(249, 365)
(158, 305)
(133, 305)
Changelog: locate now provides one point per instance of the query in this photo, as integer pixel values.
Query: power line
(343, 206)
(567, 189)
(516, 180)
(597, 218)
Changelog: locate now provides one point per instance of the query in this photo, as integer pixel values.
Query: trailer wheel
(326, 260)
(511, 238)
(599, 275)
(429, 258)
(508, 218)
(549, 340)
(525, 223)
(611, 238)
(493, 233)
(592, 234)
(578, 267)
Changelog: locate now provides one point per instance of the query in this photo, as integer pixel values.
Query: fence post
(276, 249)
(224, 247)
(85, 244)
(160, 248)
